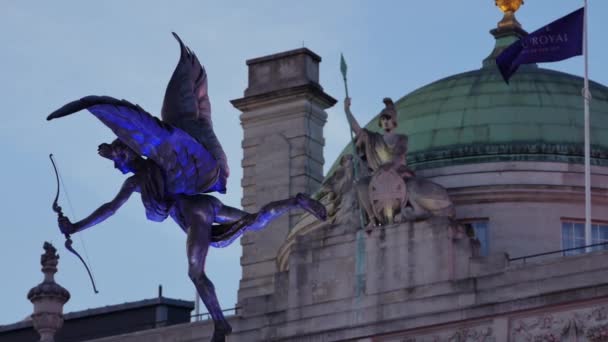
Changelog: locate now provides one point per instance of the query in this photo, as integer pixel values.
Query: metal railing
(561, 251)
(205, 316)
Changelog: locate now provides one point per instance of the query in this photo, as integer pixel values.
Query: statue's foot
(218, 337)
(312, 206)
(220, 332)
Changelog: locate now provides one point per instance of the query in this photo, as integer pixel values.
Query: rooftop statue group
(175, 162)
(386, 189)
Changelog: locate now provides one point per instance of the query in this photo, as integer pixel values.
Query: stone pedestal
(413, 254)
(327, 265)
(48, 297)
(283, 114)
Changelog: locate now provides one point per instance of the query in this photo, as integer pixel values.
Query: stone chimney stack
(283, 114)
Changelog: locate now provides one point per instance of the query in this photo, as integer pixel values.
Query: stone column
(283, 114)
(48, 297)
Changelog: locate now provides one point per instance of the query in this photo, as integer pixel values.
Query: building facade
(511, 160)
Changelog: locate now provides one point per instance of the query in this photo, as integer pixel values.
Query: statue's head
(388, 116)
(123, 156)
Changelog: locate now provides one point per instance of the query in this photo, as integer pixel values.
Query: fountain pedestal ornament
(48, 297)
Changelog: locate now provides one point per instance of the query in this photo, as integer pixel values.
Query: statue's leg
(199, 236)
(420, 213)
(314, 207)
(273, 210)
(235, 222)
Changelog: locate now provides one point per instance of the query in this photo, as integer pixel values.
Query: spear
(360, 255)
(344, 69)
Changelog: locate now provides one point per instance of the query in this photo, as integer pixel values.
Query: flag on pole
(556, 41)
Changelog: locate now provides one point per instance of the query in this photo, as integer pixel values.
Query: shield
(387, 192)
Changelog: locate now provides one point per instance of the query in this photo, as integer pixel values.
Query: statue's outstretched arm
(351, 118)
(108, 209)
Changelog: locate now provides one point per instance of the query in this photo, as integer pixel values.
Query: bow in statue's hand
(66, 227)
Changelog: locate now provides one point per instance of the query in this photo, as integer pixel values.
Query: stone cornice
(515, 151)
(283, 55)
(311, 91)
(294, 109)
(525, 193)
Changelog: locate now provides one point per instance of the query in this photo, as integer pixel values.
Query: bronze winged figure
(175, 162)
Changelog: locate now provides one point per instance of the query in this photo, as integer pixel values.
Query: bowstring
(72, 212)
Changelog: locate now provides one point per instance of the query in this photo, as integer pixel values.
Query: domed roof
(476, 117)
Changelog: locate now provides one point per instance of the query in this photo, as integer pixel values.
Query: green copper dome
(476, 117)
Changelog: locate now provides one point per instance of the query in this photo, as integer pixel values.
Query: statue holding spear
(384, 156)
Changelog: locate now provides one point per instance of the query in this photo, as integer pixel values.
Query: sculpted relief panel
(583, 324)
(575, 324)
(482, 333)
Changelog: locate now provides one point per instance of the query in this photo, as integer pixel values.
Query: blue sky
(55, 52)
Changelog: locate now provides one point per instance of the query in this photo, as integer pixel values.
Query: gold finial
(509, 7)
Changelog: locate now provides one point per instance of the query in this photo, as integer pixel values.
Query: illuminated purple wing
(188, 166)
(186, 106)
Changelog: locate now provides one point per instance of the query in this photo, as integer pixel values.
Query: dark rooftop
(108, 320)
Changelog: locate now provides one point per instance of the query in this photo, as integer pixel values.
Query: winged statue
(175, 163)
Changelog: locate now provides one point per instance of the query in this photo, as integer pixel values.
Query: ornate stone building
(511, 160)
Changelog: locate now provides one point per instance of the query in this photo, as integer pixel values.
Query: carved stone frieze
(483, 333)
(582, 324)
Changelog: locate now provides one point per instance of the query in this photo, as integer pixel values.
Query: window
(599, 234)
(481, 233)
(573, 235)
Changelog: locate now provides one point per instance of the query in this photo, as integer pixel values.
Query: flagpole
(586, 97)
